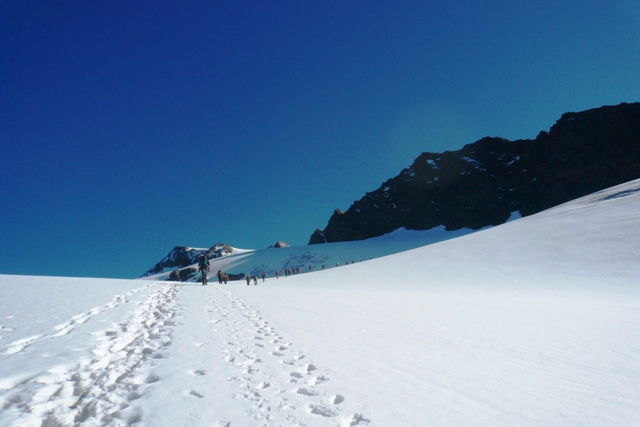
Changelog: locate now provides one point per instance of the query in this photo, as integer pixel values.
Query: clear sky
(128, 128)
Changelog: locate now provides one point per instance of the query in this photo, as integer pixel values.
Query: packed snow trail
(283, 385)
(101, 390)
(179, 354)
(65, 328)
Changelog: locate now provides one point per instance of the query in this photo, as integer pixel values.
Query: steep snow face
(530, 323)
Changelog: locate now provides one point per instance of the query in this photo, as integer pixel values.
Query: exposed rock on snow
(482, 183)
(183, 256)
(279, 244)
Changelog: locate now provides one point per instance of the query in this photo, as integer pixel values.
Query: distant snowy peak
(484, 182)
(183, 256)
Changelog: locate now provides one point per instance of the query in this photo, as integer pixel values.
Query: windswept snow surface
(532, 323)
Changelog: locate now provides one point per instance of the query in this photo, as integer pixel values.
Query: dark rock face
(235, 277)
(482, 183)
(182, 256)
(279, 244)
(187, 273)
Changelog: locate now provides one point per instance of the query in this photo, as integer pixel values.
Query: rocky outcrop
(187, 273)
(183, 256)
(279, 244)
(482, 183)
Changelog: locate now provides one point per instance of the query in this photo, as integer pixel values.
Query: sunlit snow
(532, 323)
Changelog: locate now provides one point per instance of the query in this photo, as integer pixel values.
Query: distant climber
(203, 266)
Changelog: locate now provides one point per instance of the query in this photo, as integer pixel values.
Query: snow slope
(314, 257)
(535, 322)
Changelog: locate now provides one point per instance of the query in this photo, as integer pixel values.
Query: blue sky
(128, 128)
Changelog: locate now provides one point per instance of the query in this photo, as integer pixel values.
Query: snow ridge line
(281, 384)
(65, 328)
(100, 391)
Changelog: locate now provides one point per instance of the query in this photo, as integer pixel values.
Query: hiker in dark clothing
(203, 266)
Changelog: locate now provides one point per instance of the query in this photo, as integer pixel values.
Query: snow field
(244, 372)
(101, 385)
(535, 322)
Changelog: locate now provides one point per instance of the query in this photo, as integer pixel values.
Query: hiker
(263, 276)
(255, 280)
(203, 266)
(277, 274)
(220, 277)
(248, 279)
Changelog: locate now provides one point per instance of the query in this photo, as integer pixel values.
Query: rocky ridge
(183, 256)
(279, 244)
(484, 182)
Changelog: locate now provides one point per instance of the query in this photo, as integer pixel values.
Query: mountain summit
(484, 182)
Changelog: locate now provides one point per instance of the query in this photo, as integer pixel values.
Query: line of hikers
(204, 266)
(222, 277)
(255, 279)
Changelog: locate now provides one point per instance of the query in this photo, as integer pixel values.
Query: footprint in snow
(306, 392)
(195, 394)
(316, 380)
(336, 400)
(321, 410)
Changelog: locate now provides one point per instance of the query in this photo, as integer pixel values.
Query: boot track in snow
(100, 391)
(282, 385)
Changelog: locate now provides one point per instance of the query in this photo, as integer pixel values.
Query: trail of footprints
(65, 328)
(102, 390)
(283, 386)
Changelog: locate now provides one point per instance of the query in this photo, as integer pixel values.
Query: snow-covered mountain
(532, 323)
(181, 263)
